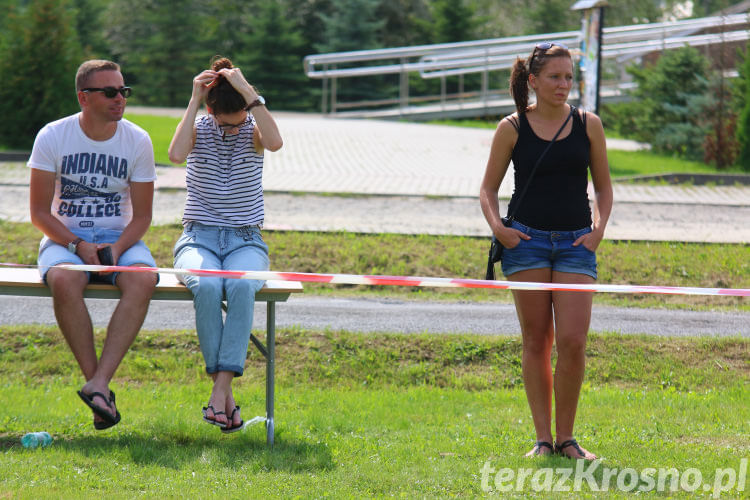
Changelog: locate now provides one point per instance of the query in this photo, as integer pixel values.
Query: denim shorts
(51, 254)
(553, 249)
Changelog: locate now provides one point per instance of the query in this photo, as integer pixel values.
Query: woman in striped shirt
(222, 220)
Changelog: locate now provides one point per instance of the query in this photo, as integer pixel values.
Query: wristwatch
(73, 245)
(259, 101)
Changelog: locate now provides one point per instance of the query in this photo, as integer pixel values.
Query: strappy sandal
(238, 427)
(213, 421)
(537, 450)
(571, 442)
(108, 420)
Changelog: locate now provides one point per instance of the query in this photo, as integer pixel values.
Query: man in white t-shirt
(91, 194)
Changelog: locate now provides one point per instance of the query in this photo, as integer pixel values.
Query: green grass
(653, 263)
(635, 163)
(623, 163)
(161, 129)
(361, 416)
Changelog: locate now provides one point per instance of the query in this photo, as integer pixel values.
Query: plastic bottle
(36, 439)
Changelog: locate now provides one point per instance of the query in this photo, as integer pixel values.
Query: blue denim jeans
(223, 342)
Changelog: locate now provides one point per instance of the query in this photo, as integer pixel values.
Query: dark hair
(88, 68)
(222, 98)
(519, 75)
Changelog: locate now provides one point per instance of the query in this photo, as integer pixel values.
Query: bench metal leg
(270, 368)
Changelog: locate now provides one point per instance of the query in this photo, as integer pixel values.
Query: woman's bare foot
(572, 449)
(233, 413)
(541, 448)
(215, 412)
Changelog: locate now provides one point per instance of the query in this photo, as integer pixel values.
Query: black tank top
(557, 197)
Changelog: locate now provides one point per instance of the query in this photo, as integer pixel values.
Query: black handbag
(496, 248)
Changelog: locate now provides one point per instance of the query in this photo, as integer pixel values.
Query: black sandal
(228, 429)
(213, 421)
(536, 451)
(570, 442)
(106, 416)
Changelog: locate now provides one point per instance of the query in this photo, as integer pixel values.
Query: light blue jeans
(223, 342)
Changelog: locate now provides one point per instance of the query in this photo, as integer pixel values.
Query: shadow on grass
(175, 450)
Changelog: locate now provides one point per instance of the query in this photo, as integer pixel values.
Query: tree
(667, 98)
(275, 59)
(353, 25)
(743, 128)
(720, 146)
(453, 21)
(88, 15)
(37, 67)
(159, 46)
(309, 17)
(407, 22)
(550, 16)
(702, 8)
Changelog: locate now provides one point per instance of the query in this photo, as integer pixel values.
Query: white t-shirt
(92, 186)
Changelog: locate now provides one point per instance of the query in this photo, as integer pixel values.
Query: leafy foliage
(721, 146)
(274, 64)
(157, 45)
(743, 128)
(452, 20)
(353, 25)
(37, 67)
(670, 103)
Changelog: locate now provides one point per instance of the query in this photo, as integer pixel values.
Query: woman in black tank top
(553, 236)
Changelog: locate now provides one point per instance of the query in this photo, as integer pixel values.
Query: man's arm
(41, 193)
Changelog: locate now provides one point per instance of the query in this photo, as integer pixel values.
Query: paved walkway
(407, 177)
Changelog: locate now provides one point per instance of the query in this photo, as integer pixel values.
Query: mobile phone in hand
(105, 256)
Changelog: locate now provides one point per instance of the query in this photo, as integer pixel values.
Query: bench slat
(26, 282)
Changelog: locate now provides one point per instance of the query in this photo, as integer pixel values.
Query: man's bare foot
(101, 397)
(572, 449)
(541, 448)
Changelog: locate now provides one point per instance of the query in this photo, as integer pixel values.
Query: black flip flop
(570, 442)
(542, 444)
(213, 421)
(239, 427)
(105, 415)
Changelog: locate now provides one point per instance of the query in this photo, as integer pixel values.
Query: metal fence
(622, 45)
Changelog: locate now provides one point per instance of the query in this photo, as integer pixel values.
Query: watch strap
(257, 102)
(73, 245)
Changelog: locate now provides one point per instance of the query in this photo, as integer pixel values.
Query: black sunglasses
(230, 126)
(549, 45)
(110, 92)
(544, 46)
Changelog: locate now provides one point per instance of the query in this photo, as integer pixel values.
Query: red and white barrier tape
(354, 279)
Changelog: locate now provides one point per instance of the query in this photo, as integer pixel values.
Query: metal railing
(482, 57)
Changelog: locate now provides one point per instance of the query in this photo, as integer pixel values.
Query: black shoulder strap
(580, 114)
(539, 160)
(513, 121)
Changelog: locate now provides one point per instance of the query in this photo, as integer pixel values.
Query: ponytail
(519, 85)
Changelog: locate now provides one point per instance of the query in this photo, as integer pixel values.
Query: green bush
(669, 100)
(39, 55)
(743, 125)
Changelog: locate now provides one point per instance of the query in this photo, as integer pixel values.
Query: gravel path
(444, 215)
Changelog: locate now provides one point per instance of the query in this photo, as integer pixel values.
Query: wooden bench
(26, 282)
